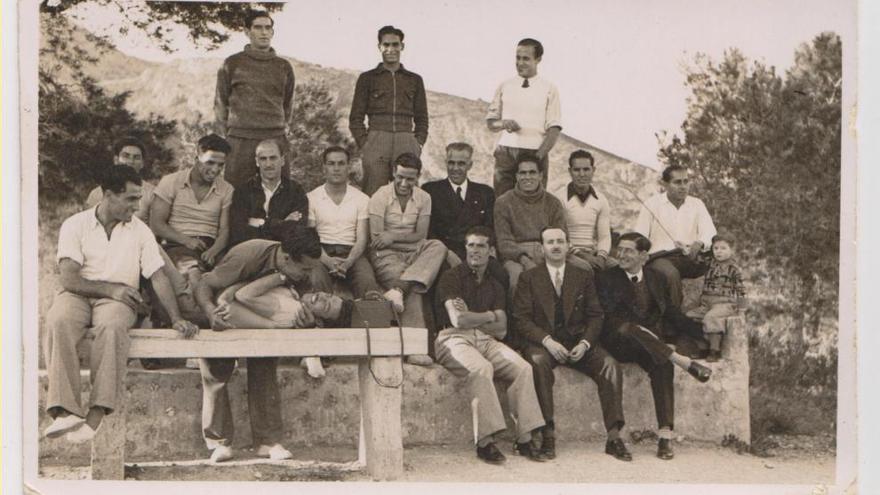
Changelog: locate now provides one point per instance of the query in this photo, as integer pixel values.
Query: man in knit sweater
(254, 99)
(521, 214)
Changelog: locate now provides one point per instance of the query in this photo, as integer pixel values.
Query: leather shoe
(529, 450)
(617, 449)
(490, 454)
(548, 448)
(700, 372)
(664, 449)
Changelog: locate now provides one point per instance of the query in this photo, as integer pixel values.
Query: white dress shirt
(659, 218)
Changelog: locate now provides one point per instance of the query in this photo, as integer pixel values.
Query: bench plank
(167, 343)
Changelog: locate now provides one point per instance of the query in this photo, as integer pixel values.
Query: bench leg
(380, 417)
(108, 447)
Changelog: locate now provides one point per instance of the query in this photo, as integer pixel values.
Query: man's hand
(220, 318)
(256, 222)
(694, 249)
(303, 319)
(510, 125)
(459, 305)
(210, 256)
(126, 295)
(526, 262)
(194, 244)
(382, 240)
(295, 216)
(187, 328)
(557, 350)
(577, 352)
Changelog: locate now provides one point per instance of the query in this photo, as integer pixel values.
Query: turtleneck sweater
(520, 217)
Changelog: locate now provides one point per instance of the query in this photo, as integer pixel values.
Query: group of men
(524, 279)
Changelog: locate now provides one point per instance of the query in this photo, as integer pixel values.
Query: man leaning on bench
(572, 297)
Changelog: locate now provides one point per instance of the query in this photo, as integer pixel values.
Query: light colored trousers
(68, 321)
(419, 266)
(480, 358)
(714, 311)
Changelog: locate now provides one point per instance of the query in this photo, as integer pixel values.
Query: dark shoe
(700, 372)
(617, 449)
(548, 448)
(529, 450)
(151, 363)
(664, 449)
(491, 454)
(713, 356)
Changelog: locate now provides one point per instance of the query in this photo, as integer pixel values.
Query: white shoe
(84, 433)
(313, 366)
(275, 452)
(395, 297)
(62, 425)
(221, 453)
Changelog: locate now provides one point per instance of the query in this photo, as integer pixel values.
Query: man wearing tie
(526, 111)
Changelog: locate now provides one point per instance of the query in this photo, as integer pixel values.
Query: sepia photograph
(592, 245)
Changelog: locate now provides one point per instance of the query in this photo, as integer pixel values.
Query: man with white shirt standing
(679, 227)
(526, 111)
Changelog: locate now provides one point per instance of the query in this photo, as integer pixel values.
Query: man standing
(341, 214)
(637, 302)
(191, 209)
(267, 200)
(254, 98)
(526, 109)
(475, 322)
(394, 100)
(587, 214)
(404, 259)
(557, 313)
(102, 252)
(520, 216)
(679, 227)
(292, 260)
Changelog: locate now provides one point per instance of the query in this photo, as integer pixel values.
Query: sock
(665, 432)
(715, 341)
(613, 434)
(682, 362)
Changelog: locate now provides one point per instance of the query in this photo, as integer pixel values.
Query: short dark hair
(725, 237)
(460, 146)
(335, 149)
(115, 178)
(482, 231)
(551, 227)
(389, 30)
(298, 241)
(408, 160)
(581, 154)
(253, 15)
(129, 141)
(528, 157)
(667, 172)
(535, 44)
(643, 244)
(213, 142)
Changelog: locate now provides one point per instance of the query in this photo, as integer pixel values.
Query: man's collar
(552, 269)
(463, 185)
(573, 191)
(381, 68)
(96, 222)
(640, 276)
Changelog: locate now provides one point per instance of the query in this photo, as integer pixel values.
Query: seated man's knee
(483, 370)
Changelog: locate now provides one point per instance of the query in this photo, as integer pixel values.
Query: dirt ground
(575, 463)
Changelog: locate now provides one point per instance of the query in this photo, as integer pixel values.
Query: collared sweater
(254, 97)
(520, 218)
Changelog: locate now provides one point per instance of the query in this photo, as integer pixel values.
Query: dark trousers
(632, 344)
(264, 401)
(597, 364)
(360, 274)
(675, 267)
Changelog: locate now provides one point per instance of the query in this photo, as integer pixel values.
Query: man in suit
(460, 204)
(557, 312)
(637, 300)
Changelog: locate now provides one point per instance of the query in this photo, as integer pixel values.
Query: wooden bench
(380, 377)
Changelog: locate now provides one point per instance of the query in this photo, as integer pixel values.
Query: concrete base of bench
(164, 407)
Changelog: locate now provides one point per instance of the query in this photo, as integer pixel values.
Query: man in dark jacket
(254, 98)
(394, 100)
(557, 312)
(637, 301)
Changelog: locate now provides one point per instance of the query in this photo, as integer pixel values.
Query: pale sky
(617, 65)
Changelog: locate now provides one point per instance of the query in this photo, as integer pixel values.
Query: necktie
(458, 193)
(525, 83)
(635, 279)
(557, 283)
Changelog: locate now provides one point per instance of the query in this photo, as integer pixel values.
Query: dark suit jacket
(247, 202)
(534, 307)
(617, 296)
(451, 219)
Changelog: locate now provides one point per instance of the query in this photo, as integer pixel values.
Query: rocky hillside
(184, 90)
